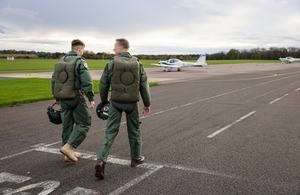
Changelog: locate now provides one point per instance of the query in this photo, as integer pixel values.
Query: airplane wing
(167, 66)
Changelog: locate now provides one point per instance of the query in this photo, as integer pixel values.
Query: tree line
(272, 53)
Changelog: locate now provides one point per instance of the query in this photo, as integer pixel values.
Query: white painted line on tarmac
(202, 171)
(160, 112)
(254, 78)
(293, 83)
(216, 96)
(92, 156)
(188, 104)
(230, 125)
(135, 181)
(267, 82)
(151, 166)
(26, 151)
(16, 154)
(262, 95)
(47, 186)
(170, 109)
(80, 191)
(54, 143)
(8, 177)
(277, 99)
(267, 93)
(297, 89)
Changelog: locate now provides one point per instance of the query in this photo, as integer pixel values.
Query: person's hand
(146, 111)
(92, 104)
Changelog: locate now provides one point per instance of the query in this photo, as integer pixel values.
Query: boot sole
(76, 154)
(135, 164)
(69, 157)
(99, 174)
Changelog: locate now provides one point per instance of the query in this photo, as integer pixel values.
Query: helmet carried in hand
(102, 110)
(54, 115)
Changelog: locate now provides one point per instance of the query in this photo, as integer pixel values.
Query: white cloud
(169, 26)
(20, 13)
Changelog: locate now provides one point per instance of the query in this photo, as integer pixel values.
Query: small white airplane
(289, 60)
(177, 64)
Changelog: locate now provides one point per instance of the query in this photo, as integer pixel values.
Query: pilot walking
(127, 79)
(71, 80)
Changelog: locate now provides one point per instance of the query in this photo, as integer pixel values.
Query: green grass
(153, 84)
(18, 91)
(39, 65)
(15, 91)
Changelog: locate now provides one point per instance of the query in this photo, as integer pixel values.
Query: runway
(231, 133)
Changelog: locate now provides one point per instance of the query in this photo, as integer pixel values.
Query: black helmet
(54, 115)
(102, 110)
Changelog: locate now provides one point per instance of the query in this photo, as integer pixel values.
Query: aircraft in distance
(177, 64)
(289, 60)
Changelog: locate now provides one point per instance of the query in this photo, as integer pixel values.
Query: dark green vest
(125, 80)
(64, 87)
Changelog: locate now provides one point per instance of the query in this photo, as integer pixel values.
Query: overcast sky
(151, 26)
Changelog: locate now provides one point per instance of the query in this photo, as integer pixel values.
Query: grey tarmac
(255, 150)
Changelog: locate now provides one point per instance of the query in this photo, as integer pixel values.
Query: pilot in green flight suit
(127, 79)
(71, 80)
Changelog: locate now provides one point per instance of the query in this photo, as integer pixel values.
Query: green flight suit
(76, 116)
(116, 109)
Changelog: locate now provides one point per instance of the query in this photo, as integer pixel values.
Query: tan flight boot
(76, 154)
(68, 151)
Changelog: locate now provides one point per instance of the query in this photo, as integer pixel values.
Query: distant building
(10, 58)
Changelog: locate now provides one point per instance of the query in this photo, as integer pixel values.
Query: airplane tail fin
(201, 60)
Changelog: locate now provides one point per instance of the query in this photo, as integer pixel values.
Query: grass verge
(20, 91)
(40, 65)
